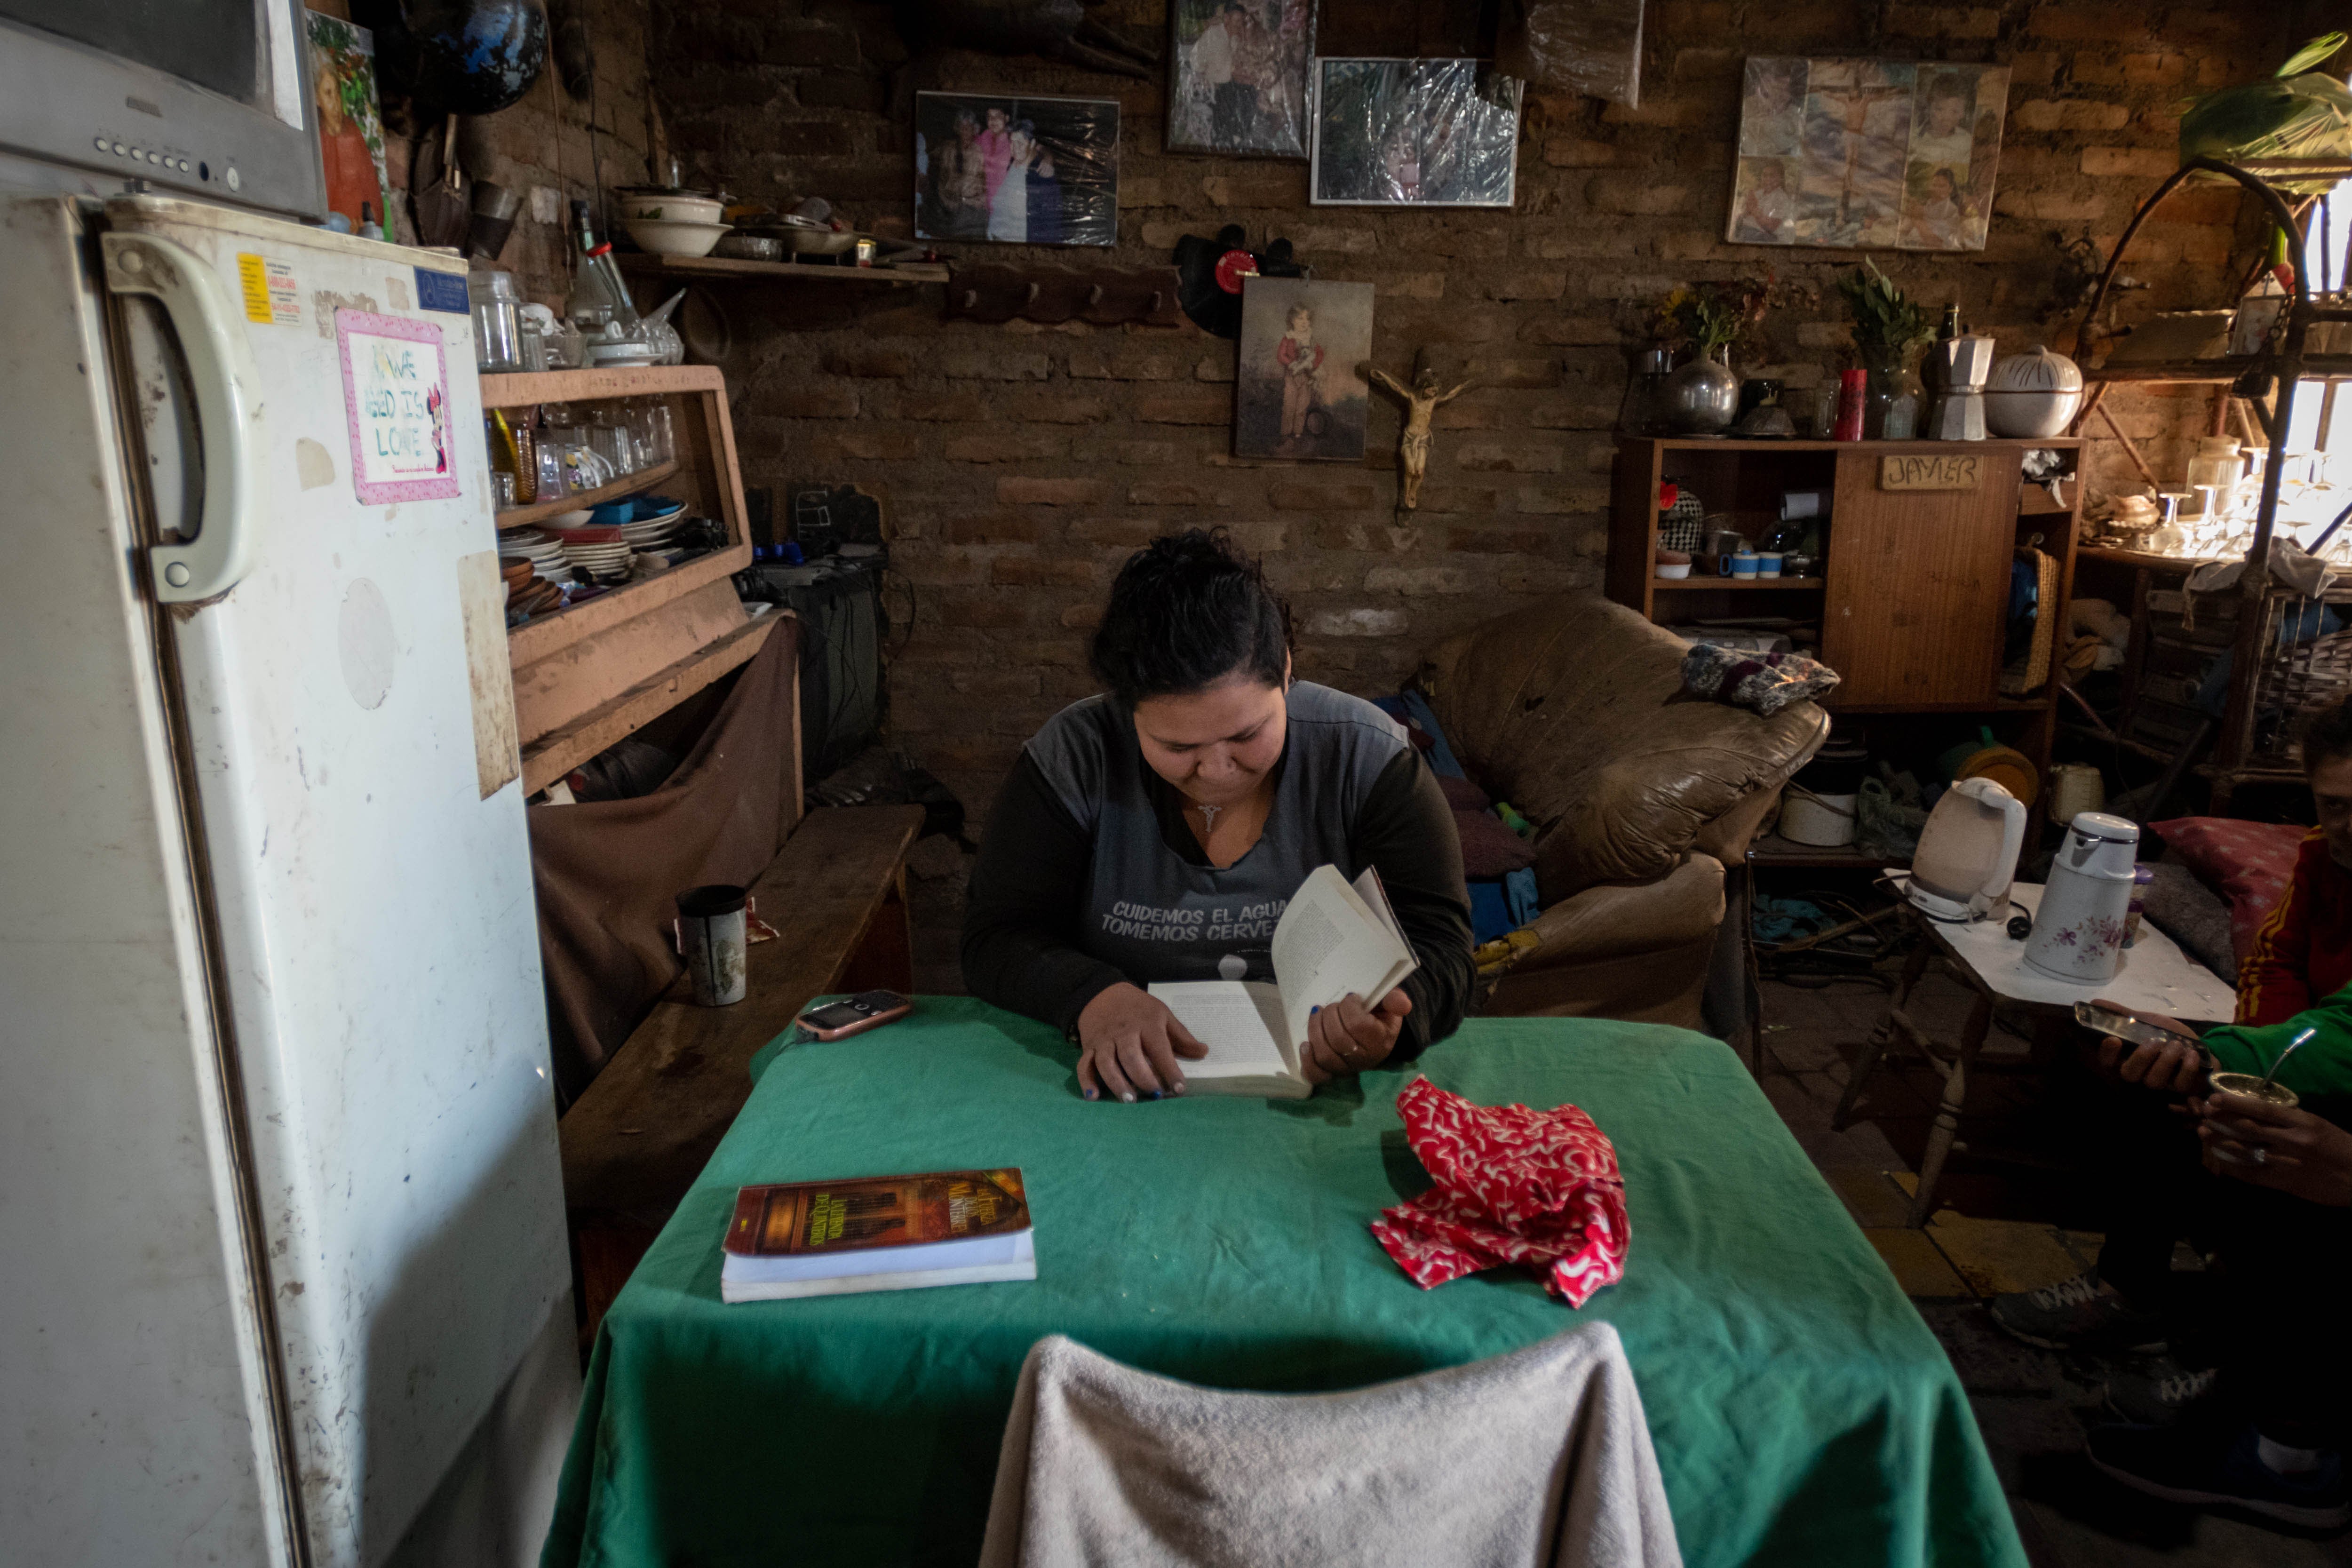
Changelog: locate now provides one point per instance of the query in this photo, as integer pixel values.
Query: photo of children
(1016, 171)
(1237, 75)
(1866, 152)
(1301, 393)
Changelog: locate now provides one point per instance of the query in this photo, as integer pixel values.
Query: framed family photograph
(1414, 133)
(1237, 75)
(1877, 153)
(1300, 389)
(1016, 170)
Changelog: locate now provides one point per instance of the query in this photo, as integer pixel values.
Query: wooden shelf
(1774, 850)
(1738, 584)
(716, 269)
(560, 751)
(600, 381)
(2315, 367)
(544, 634)
(637, 483)
(1729, 443)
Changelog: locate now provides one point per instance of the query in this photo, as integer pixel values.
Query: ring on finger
(2259, 1155)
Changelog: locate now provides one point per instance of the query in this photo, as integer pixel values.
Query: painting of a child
(1301, 392)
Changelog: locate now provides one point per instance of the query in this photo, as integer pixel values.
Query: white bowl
(665, 237)
(575, 518)
(664, 206)
(1675, 573)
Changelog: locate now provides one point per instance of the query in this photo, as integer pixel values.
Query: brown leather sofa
(1574, 712)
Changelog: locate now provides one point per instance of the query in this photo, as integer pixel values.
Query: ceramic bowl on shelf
(576, 518)
(675, 237)
(663, 205)
(2030, 396)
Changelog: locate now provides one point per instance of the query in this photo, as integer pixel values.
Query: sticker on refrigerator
(442, 291)
(269, 289)
(396, 393)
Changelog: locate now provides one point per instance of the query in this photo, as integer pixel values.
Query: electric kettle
(1968, 852)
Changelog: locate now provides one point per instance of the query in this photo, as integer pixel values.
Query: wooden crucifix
(1422, 400)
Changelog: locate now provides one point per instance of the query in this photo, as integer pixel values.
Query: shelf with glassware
(1910, 599)
(593, 671)
(2277, 670)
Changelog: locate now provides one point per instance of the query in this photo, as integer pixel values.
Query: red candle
(1852, 385)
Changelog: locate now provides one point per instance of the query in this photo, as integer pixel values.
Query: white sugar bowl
(2032, 395)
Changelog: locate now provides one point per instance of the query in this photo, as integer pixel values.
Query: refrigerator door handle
(221, 368)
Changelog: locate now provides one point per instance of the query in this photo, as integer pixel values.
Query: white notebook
(1332, 941)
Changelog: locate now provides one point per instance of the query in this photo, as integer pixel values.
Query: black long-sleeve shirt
(1030, 890)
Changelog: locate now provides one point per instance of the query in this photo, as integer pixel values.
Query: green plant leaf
(2311, 54)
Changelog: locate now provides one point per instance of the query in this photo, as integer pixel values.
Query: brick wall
(1020, 463)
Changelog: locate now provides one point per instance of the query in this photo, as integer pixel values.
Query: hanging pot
(458, 57)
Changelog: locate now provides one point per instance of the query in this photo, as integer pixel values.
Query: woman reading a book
(1158, 832)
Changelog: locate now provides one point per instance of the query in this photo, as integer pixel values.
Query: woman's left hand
(2269, 1145)
(1349, 1038)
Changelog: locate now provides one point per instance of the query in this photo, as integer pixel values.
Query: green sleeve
(2324, 1065)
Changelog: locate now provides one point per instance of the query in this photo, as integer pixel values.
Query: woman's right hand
(1128, 1045)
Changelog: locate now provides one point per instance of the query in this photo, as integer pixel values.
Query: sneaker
(2159, 1392)
(2213, 1465)
(2078, 1314)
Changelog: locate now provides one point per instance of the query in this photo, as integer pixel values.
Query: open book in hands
(1332, 941)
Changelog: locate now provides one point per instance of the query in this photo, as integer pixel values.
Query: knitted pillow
(2248, 863)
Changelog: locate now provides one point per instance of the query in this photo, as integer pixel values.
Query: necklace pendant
(1209, 816)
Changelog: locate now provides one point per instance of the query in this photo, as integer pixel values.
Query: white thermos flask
(2078, 932)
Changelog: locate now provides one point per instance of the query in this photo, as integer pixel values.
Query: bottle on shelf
(598, 287)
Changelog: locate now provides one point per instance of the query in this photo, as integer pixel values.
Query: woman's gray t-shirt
(1156, 916)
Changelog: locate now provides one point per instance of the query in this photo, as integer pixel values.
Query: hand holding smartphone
(2142, 1048)
(867, 1010)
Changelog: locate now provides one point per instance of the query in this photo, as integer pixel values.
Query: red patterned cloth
(1539, 1189)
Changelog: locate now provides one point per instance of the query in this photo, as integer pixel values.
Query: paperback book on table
(877, 1233)
(1334, 940)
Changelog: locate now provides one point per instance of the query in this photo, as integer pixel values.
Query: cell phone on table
(867, 1010)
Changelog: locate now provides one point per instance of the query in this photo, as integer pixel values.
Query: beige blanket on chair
(1535, 1459)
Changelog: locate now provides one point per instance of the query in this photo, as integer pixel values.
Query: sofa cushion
(2250, 864)
(1489, 848)
(1574, 712)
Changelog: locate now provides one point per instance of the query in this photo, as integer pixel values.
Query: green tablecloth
(1803, 1412)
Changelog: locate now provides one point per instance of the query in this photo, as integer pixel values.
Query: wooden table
(2156, 976)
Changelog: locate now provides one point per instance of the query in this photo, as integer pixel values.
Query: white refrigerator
(283, 1277)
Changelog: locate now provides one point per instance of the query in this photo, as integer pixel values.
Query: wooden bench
(635, 1142)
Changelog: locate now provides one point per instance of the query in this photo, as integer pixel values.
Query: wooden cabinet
(586, 676)
(1917, 592)
(1910, 602)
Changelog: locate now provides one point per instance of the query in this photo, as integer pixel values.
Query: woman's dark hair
(1186, 612)
(2327, 735)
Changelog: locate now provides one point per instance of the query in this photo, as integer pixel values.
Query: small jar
(497, 322)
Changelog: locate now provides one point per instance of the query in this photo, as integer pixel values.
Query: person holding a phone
(1157, 832)
(2264, 1427)
(2302, 954)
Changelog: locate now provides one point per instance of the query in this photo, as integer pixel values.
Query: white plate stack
(653, 533)
(606, 563)
(545, 555)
